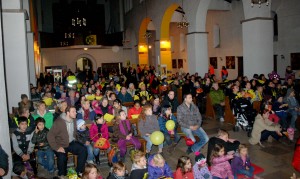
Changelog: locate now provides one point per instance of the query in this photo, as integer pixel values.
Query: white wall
(69, 57)
(231, 39)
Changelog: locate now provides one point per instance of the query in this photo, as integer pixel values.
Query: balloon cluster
(273, 75)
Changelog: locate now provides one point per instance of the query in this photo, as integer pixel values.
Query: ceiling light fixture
(259, 2)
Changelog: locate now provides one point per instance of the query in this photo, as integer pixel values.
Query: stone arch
(90, 57)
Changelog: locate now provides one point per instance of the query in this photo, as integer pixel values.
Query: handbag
(101, 143)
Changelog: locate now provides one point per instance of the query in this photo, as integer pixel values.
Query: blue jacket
(125, 98)
(80, 115)
(156, 172)
(162, 120)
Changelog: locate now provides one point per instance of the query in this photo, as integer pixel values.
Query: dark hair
(98, 116)
(117, 101)
(182, 161)
(69, 108)
(137, 102)
(39, 119)
(22, 119)
(18, 168)
(215, 152)
(185, 95)
(23, 96)
(118, 166)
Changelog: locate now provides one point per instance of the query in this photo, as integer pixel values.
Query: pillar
(4, 132)
(197, 52)
(157, 55)
(257, 39)
(15, 51)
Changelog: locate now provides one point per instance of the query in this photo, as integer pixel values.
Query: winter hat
(80, 122)
(200, 158)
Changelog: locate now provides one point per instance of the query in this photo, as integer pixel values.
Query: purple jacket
(156, 172)
(221, 167)
(238, 164)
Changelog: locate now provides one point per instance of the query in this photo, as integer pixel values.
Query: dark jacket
(83, 136)
(227, 145)
(125, 98)
(138, 173)
(187, 117)
(173, 103)
(22, 142)
(162, 120)
(3, 161)
(41, 137)
(13, 123)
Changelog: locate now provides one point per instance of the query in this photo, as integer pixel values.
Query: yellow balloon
(157, 138)
(170, 125)
(90, 97)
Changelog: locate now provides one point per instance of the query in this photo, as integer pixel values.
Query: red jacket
(179, 175)
(133, 111)
(296, 159)
(94, 132)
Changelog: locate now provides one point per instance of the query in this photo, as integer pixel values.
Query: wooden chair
(179, 95)
(256, 105)
(229, 117)
(210, 112)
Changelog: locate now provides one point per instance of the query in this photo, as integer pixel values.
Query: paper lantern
(157, 138)
(48, 101)
(90, 97)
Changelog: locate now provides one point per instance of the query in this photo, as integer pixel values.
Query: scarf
(86, 114)
(122, 129)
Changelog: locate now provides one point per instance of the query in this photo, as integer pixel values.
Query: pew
(210, 112)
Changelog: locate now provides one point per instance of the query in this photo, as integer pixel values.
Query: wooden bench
(128, 104)
(210, 112)
(228, 117)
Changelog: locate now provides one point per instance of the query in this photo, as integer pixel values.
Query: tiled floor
(275, 158)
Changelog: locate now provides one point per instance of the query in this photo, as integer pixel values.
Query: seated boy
(22, 145)
(231, 145)
(139, 166)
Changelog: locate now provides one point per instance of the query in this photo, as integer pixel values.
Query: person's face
(290, 81)
(168, 111)
(236, 89)
(86, 105)
(25, 100)
(120, 173)
(143, 88)
(160, 163)
(148, 112)
(260, 89)
(156, 102)
(116, 105)
(188, 165)
(72, 113)
(271, 84)
(63, 107)
(123, 115)
(100, 120)
(77, 95)
(248, 85)
(188, 99)
(83, 127)
(292, 94)
(221, 152)
(137, 106)
(216, 86)
(280, 99)
(42, 107)
(93, 174)
(26, 113)
(104, 103)
(41, 126)
(171, 95)
(113, 97)
(123, 90)
(142, 162)
(266, 115)
(244, 152)
(224, 137)
(23, 126)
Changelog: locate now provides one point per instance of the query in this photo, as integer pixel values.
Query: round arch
(90, 57)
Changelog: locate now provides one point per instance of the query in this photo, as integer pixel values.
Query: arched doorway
(84, 64)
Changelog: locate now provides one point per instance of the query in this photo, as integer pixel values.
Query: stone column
(157, 55)
(197, 52)
(257, 39)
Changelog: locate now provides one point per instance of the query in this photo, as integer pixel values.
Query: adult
(72, 99)
(294, 107)
(25, 102)
(42, 112)
(224, 73)
(86, 112)
(62, 139)
(105, 107)
(190, 119)
(61, 108)
(3, 163)
(124, 96)
(263, 128)
(171, 100)
(218, 101)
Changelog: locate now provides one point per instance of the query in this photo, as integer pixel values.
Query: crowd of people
(63, 118)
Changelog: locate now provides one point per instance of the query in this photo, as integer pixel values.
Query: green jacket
(48, 118)
(217, 96)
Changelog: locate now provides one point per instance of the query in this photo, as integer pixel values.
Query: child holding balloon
(124, 132)
(147, 125)
(167, 124)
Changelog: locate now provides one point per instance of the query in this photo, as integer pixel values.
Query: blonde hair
(143, 113)
(87, 170)
(242, 146)
(222, 132)
(157, 158)
(137, 156)
(85, 101)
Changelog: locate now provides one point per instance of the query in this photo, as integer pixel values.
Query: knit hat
(200, 158)
(80, 122)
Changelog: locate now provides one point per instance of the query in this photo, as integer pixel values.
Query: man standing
(189, 118)
(61, 138)
(171, 101)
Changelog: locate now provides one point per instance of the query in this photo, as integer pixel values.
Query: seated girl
(184, 168)
(158, 168)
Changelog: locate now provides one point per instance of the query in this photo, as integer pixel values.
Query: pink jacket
(94, 132)
(221, 167)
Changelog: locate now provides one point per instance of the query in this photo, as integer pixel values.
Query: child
(220, 163)
(83, 137)
(148, 123)
(96, 108)
(20, 170)
(200, 168)
(241, 163)
(22, 145)
(157, 167)
(184, 168)
(139, 167)
(118, 171)
(221, 138)
(91, 172)
(124, 132)
(166, 114)
(135, 110)
(45, 153)
(98, 128)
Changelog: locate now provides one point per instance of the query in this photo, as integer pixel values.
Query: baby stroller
(245, 115)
